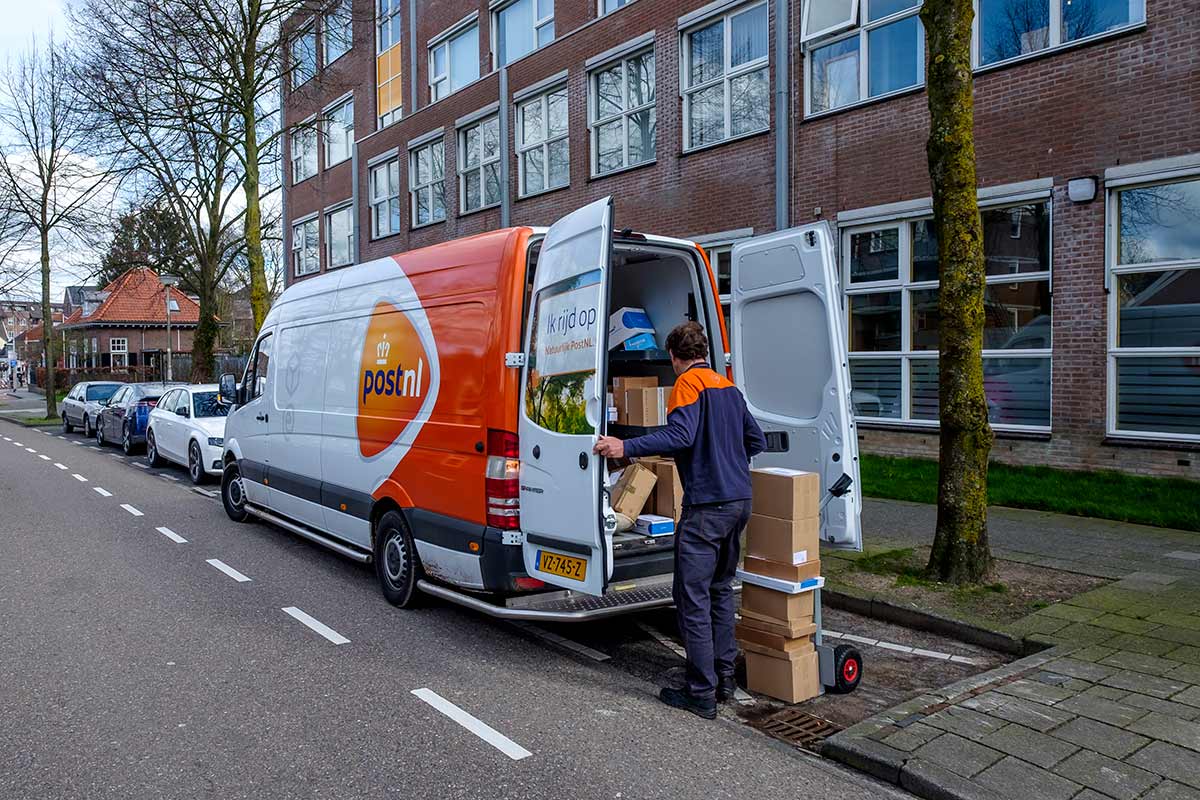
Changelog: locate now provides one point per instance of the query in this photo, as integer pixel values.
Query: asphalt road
(132, 667)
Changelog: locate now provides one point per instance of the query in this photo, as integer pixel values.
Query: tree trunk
(48, 326)
(960, 551)
(205, 338)
(259, 302)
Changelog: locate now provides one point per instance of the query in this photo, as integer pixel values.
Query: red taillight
(502, 481)
(528, 583)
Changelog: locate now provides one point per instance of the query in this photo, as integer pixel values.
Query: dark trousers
(706, 557)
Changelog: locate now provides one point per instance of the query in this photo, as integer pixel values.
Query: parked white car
(188, 427)
(81, 406)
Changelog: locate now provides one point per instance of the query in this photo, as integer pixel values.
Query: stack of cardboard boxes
(780, 572)
(640, 401)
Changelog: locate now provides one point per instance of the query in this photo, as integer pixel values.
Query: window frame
(309, 28)
(303, 222)
(600, 12)
(374, 200)
(595, 122)
(538, 23)
(1113, 271)
(327, 228)
(328, 120)
(444, 41)
(728, 74)
(904, 285)
(480, 167)
(306, 128)
(413, 187)
(384, 21)
(522, 147)
(341, 7)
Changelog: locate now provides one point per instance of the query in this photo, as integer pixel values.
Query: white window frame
(122, 351)
(481, 164)
(538, 24)
(383, 21)
(301, 243)
(330, 119)
(414, 188)
(850, 21)
(441, 85)
(595, 121)
(391, 168)
(308, 29)
(344, 10)
(308, 130)
(1113, 270)
(906, 286)
(341, 208)
(728, 74)
(600, 12)
(544, 143)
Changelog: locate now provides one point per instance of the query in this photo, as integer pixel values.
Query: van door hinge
(512, 537)
(514, 359)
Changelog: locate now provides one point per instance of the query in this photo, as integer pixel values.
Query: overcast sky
(26, 19)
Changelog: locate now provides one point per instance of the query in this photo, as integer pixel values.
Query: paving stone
(1039, 623)
(1122, 624)
(1037, 692)
(1032, 715)
(1070, 613)
(1190, 696)
(1065, 681)
(1093, 653)
(1098, 708)
(1014, 778)
(1140, 663)
(1086, 670)
(1167, 759)
(1105, 692)
(1146, 645)
(1178, 619)
(1107, 599)
(1160, 578)
(934, 782)
(1169, 729)
(1024, 743)
(912, 737)
(1188, 673)
(1145, 684)
(1168, 707)
(1107, 776)
(965, 722)
(960, 756)
(1142, 610)
(1170, 790)
(1083, 633)
(1089, 794)
(866, 755)
(1178, 635)
(1186, 654)
(1107, 739)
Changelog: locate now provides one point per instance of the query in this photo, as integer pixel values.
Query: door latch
(514, 359)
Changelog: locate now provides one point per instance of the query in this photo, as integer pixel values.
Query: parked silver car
(82, 404)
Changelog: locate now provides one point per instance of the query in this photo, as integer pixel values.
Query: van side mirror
(227, 389)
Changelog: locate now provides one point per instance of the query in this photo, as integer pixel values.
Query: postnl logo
(393, 379)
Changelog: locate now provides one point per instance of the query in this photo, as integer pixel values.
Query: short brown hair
(687, 342)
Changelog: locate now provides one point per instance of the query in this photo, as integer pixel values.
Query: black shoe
(679, 698)
(726, 688)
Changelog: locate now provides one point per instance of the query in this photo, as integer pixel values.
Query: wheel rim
(194, 460)
(850, 670)
(150, 454)
(233, 491)
(126, 442)
(395, 560)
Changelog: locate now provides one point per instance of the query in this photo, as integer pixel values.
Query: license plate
(564, 566)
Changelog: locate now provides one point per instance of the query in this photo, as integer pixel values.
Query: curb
(17, 421)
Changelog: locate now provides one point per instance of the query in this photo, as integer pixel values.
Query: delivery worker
(712, 437)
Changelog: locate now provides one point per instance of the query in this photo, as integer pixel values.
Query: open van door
(562, 403)
(789, 358)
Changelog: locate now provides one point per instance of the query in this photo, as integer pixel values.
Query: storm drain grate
(796, 727)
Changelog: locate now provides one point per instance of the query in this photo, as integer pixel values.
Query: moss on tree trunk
(960, 551)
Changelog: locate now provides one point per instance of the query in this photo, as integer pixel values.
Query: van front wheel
(396, 561)
(233, 496)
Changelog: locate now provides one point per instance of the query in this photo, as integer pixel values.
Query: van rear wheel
(396, 562)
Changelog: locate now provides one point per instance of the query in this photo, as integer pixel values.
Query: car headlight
(216, 441)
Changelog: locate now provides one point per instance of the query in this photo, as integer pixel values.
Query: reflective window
(453, 63)
(479, 164)
(385, 198)
(623, 114)
(427, 184)
(543, 148)
(726, 87)
(522, 27)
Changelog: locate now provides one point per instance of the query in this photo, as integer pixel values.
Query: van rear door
(789, 358)
(562, 403)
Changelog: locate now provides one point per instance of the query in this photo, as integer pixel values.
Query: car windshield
(207, 405)
(102, 392)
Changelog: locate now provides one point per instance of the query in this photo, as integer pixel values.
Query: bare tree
(47, 180)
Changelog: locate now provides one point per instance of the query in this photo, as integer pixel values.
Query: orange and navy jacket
(710, 434)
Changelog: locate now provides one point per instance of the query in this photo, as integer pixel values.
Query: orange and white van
(434, 412)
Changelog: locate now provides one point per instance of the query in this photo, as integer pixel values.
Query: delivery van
(434, 412)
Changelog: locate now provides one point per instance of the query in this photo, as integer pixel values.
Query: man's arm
(678, 434)
(752, 434)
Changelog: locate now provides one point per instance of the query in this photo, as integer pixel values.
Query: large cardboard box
(788, 630)
(784, 572)
(668, 492)
(621, 386)
(647, 407)
(632, 491)
(757, 640)
(788, 541)
(785, 493)
(791, 677)
(776, 605)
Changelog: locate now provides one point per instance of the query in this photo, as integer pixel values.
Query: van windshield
(205, 404)
(101, 392)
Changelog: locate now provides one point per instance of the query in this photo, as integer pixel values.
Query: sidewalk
(21, 403)
(1111, 710)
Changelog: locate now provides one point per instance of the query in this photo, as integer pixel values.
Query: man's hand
(610, 447)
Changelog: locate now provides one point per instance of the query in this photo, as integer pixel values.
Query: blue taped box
(642, 341)
(654, 525)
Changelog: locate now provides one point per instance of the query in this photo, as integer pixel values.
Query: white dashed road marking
(43, 457)
(172, 535)
(140, 465)
(60, 466)
(562, 641)
(101, 492)
(664, 640)
(316, 625)
(132, 510)
(18, 444)
(30, 450)
(478, 727)
(78, 477)
(228, 570)
(205, 492)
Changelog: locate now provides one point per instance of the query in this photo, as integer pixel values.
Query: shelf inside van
(638, 355)
(630, 431)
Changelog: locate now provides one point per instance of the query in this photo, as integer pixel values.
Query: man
(712, 437)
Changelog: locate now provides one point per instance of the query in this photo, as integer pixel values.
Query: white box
(654, 525)
(627, 322)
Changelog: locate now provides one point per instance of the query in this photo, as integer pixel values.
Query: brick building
(713, 122)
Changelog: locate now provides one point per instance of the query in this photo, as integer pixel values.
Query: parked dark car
(123, 418)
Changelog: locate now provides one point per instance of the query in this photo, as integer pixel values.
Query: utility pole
(168, 281)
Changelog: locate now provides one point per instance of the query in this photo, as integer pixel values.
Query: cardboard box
(788, 541)
(790, 677)
(632, 491)
(668, 492)
(647, 407)
(785, 493)
(640, 341)
(757, 641)
(784, 572)
(777, 606)
(622, 385)
(654, 525)
(625, 323)
(788, 630)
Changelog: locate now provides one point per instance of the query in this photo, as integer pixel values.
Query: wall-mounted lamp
(1081, 190)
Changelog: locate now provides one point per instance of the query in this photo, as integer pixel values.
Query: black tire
(100, 432)
(196, 464)
(396, 563)
(152, 456)
(67, 426)
(87, 427)
(233, 497)
(127, 445)
(847, 669)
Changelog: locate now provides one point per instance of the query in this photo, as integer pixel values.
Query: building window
(339, 133)
(339, 234)
(1011, 28)
(304, 151)
(543, 150)
(885, 54)
(1154, 311)
(118, 349)
(389, 63)
(523, 27)
(303, 55)
(306, 253)
(622, 110)
(890, 275)
(479, 164)
(725, 77)
(339, 32)
(609, 6)
(385, 198)
(426, 184)
(453, 62)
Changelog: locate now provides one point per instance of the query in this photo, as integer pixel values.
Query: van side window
(256, 369)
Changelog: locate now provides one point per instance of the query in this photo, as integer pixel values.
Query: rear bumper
(564, 606)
